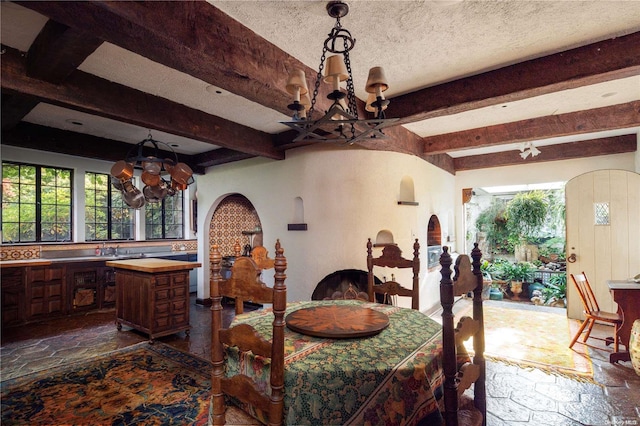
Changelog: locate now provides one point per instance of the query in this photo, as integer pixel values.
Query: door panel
(604, 252)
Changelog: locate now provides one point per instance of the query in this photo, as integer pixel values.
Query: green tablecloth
(394, 377)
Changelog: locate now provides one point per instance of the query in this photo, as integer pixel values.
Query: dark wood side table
(627, 295)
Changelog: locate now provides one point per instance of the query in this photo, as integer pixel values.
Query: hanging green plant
(526, 214)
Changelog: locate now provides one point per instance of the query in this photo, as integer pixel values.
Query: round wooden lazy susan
(337, 321)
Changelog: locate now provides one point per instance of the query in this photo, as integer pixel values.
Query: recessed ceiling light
(74, 122)
(215, 90)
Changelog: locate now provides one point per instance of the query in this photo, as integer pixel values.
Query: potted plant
(485, 268)
(517, 273)
(555, 292)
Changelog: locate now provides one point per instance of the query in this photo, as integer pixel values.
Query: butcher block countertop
(25, 262)
(153, 265)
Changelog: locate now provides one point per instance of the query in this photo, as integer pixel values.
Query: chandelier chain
(316, 87)
(332, 126)
(353, 110)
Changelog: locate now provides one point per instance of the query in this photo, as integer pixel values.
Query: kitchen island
(152, 295)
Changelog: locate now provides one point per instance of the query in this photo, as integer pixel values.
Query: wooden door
(606, 247)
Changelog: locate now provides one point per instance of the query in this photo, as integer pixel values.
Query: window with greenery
(36, 203)
(165, 219)
(107, 217)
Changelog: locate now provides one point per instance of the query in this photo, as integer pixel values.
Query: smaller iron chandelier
(162, 177)
(341, 122)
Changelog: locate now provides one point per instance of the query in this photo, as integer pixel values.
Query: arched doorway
(603, 232)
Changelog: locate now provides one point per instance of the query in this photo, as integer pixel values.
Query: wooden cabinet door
(13, 296)
(45, 291)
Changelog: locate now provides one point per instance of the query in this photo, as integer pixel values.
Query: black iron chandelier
(162, 177)
(341, 122)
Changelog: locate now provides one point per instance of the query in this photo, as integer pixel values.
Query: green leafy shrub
(556, 289)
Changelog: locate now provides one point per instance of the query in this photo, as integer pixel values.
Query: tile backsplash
(26, 252)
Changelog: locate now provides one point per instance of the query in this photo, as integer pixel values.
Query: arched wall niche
(234, 214)
(434, 232)
(297, 223)
(298, 210)
(434, 241)
(407, 193)
(383, 238)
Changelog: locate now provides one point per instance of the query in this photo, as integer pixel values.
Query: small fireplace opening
(339, 281)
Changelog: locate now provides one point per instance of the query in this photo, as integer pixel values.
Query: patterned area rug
(142, 384)
(535, 339)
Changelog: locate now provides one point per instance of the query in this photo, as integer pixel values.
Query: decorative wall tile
(232, 216)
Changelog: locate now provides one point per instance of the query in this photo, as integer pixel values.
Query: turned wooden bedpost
(217, 355)
(277, 360)
(415, 301)
(480, 392)
(370, 279)
(449, 366)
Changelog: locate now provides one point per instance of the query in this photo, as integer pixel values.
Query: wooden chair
(459, 371)
(245, 284)
(260, 256)
(392, 258)
(593, 313)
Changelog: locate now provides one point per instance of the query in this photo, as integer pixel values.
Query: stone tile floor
(515, 396)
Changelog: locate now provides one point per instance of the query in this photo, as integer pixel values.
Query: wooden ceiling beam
(57, 51)
(48, 139)
(220, 156)
(14, 108)
(595, 63)
(593, 120)
(93, 95)
(565, 151)
(193, 37)
(200, 40)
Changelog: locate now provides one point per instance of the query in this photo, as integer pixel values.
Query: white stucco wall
(349, 195)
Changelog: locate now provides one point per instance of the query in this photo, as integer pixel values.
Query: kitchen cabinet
(152, 295)
(13, 296)
(45, 291)
(91, 285)
(186, 257)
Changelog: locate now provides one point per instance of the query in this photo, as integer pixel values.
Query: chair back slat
(245, 284)
(587, 297)
(392, 258)
(459, 371)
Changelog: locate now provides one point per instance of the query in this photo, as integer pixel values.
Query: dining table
(350, 362)
(626, 293)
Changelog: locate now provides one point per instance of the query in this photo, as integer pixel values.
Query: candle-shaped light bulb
(335, 71)
(297, 84)
(377, 81)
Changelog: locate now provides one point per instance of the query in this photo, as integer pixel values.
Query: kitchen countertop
(152, 265)
(25, 262)
(128, 256)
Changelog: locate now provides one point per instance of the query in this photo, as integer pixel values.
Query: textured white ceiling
(419, 43)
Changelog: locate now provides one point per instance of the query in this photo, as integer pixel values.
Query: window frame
(39, 187)
(112, 199)
(164, 213)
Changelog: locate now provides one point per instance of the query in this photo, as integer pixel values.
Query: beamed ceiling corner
(200, 40)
